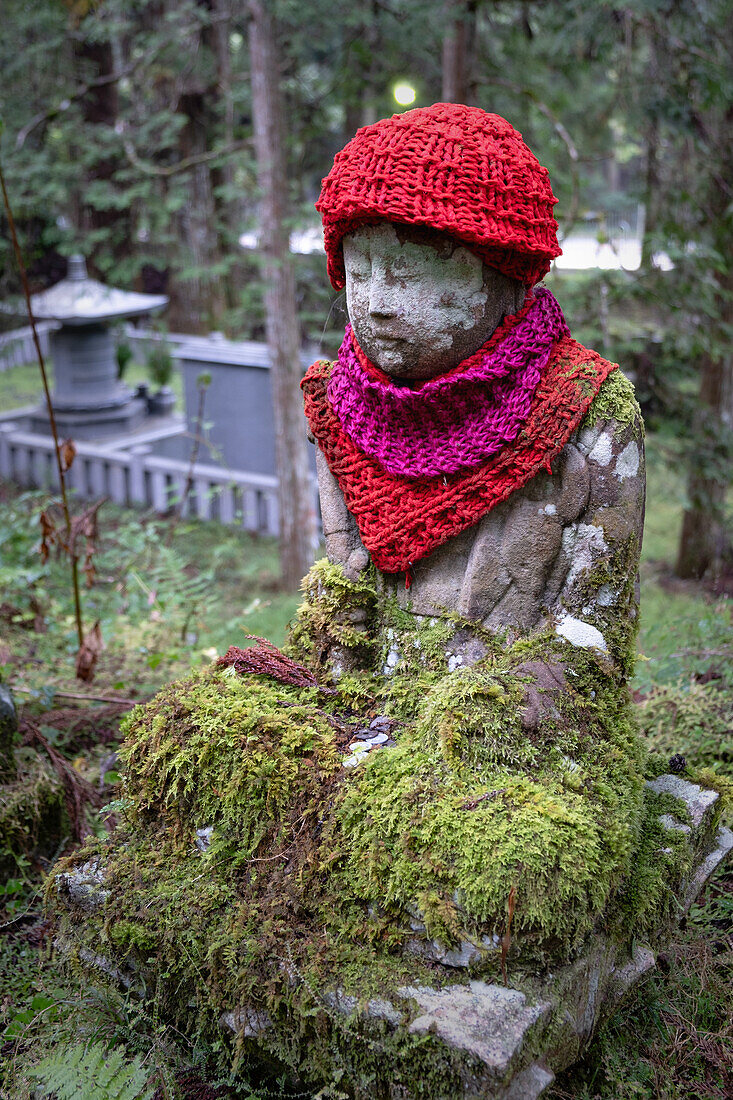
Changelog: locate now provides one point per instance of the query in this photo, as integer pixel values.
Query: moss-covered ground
(672, 1040)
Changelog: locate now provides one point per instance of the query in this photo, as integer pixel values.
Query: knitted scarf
(402, 517)
(460, 418)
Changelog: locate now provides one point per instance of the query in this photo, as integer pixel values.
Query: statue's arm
(343, 543)
(598, 600)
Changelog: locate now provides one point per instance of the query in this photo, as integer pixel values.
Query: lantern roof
(79, 300)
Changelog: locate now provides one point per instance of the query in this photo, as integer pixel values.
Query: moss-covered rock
(33, 817)
(8, 733)
(263, 860)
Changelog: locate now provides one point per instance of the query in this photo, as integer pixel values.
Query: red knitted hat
(453, 168)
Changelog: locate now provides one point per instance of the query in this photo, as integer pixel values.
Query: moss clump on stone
(468, 806)
(315, 877)
(33, 818)
(615, 400)
(326, 616)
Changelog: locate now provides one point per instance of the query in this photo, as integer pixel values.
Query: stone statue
(421, 852)
(422, 302)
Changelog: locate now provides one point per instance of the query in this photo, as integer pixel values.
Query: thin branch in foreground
(60, 465)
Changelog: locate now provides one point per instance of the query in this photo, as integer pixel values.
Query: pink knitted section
(458, 419)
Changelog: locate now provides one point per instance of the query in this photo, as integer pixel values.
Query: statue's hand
(546, 682)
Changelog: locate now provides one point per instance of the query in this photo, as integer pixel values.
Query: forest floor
(170, 597)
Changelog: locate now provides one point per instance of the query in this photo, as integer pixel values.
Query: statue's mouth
(388, 340)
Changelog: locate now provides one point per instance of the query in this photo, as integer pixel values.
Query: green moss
(465, 807)
(326, 616)
(649, 900)
(619, 622)
(128, 934)
(319, 877)
(33, 818)
(615, 400)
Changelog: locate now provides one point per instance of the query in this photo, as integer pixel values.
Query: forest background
(150, 135)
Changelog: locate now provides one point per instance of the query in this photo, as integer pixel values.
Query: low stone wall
(17, 346)
(139, 477)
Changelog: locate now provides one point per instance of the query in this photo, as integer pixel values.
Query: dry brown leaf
(506, 939)
(88, 655)
(67, 451)
(48, 534)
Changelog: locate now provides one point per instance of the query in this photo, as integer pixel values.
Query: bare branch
(79, 93)
(181, 165)
(560, 130)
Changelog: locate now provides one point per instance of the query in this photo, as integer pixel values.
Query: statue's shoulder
(316, 375)
(615, 401)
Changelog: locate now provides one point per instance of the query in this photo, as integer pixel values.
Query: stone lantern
(88, 399)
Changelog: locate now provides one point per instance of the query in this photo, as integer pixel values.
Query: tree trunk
(297, 506)
(99, 107)
(651, 174)
(228, 202)
(458, 51)
(198, 302)
(706, 541)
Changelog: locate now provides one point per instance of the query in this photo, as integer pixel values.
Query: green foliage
(691, 719)
(91, 1072)
(159, 363)
(164, 605)
(123, 356)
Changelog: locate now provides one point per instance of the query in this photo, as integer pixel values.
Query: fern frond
(92, 1072)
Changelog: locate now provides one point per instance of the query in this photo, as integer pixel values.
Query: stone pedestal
(458, 1036)
(88, 400)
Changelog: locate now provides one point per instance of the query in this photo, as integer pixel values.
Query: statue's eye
(360, 268)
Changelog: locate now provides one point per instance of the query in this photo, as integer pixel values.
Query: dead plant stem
(49, 406)
(191, 466)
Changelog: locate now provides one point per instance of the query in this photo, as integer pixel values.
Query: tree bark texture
(296, 494)
(460, 29)
(706, 539)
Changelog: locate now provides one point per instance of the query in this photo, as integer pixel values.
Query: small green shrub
(123, 356)
(159, 364)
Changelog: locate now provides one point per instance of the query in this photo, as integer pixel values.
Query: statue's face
(419, 301)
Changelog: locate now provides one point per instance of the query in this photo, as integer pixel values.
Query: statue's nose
(384, 299)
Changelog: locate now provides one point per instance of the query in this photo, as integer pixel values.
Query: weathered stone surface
(721, 850)
(247, 1021)
(529, 1084)
(488, 1021)
(698, 801)
(421, 302)
(83, 888)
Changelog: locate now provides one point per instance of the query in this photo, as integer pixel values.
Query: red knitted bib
(401, 520)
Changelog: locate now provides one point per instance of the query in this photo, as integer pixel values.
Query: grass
(170, 602)
(20, 386)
